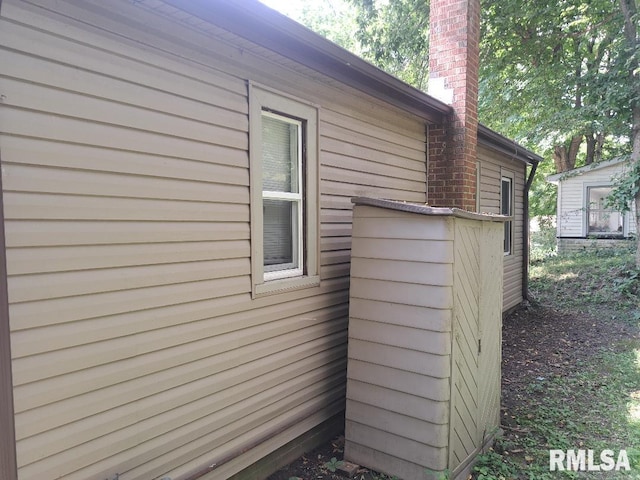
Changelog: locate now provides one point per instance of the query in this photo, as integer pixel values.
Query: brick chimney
(453, 78)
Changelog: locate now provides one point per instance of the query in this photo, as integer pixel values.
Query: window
(506, 208)
(602, 221)
(284, 203)
(282, 192)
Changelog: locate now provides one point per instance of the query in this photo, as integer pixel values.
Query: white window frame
(587, 186)
(508, 178)
(304, 273)
(296, 269)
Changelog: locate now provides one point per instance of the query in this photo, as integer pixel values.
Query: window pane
(603, 220)
(280, 155)
(507, 237)
(280, 230)
(506, 208)
(505, 201)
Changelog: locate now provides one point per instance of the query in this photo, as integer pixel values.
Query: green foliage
(333, 20)
(626, 187)
(543, 241)
(394, 35)
(557, 68)
(628, 283)
(542, 194)
(493, 466)
(595, 402)
(597, 280)
(438, 475)
(333, 464)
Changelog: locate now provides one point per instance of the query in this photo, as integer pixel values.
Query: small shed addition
(583, 218)
(423, 380)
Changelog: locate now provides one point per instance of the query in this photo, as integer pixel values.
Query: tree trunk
(591, 149)
(597, 154)
(595, 142)
(630, 13)
(637, 223)
(565, 157)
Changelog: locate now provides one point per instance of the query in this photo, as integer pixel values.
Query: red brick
(454, 56)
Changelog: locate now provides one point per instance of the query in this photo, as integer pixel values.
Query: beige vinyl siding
(421, 396)
(400, 342)
(493, 166)
(136, 346)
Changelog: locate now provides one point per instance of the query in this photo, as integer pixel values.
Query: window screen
(506, 208)
(281, 192)
(603, 220)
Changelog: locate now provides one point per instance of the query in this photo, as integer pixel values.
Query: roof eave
(261, 25)
(556, 177)
(507, 146)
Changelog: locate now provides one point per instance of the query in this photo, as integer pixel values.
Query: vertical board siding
(466, 317)
(493, 164)
(476, 349)
(490, 333)
(136, 347)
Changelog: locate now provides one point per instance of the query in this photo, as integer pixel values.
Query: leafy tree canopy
(554, 74)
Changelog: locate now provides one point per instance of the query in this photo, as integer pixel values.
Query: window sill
(604, 235)
(284, 285)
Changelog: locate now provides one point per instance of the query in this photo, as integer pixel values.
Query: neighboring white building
(583, 219)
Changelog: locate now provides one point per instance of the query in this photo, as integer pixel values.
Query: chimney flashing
(437, 89)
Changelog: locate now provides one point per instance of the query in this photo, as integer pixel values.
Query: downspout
(426, 154)
(525, 236)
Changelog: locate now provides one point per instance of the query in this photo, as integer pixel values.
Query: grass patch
(543, 241)
(591, 401)
(591, 409)
(589, 282)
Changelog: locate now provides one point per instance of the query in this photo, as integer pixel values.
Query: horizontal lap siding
(400, 340)
(359, 158)
(571, 217)
(572, 201)
(492, 164)
(137, 348)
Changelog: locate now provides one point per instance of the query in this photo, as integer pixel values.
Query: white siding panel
(572, 201)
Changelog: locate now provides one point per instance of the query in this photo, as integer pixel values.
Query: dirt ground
(538, 342)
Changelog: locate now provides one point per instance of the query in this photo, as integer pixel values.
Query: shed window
(602, 221)
(283, 151)
(506, 208)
